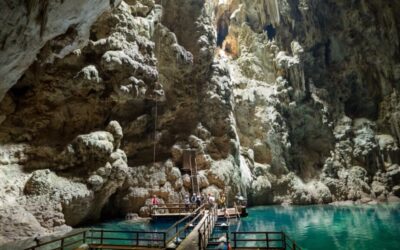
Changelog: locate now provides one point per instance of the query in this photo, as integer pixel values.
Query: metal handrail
(187, 225)
(237, 210)
(133, 236)
(62, 241)
(180, 207)
(186, 217)
(207, 227)
(174, 204)
(291, 244)
(175, 226)
(286, 242)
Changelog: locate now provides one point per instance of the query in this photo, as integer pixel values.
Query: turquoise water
(329, 227)
(158, 226)
(361, 227)
(132, 238)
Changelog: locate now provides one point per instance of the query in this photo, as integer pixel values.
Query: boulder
(41, 182)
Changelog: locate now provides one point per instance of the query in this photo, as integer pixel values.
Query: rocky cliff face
(285, 101)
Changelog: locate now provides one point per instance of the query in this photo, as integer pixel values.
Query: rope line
(155, 132)
(156, 103)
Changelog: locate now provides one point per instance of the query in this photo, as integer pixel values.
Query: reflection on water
(157, 226)
(331, 227)
(362, 227)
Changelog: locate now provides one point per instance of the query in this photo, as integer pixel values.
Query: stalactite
(273, 11)
(42, 15)
(31, 5)
(42, 7)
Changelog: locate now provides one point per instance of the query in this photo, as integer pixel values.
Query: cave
(106, 104)
(365, 96)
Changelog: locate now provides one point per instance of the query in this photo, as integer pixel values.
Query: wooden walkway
(114, 247)
(192, 232)
(229, 213)
(172, 210)
(192, 239)
(206, 229)
(170, 215)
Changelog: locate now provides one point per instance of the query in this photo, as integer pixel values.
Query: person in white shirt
(187, 202)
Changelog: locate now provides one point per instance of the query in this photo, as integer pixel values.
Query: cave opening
(271, 31)
(109, 212)
(365, 97)
(222, 31)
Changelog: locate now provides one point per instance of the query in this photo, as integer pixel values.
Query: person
(223, 243)
(222, 200)
(193, 198)
(198, 200)
(204, 198)
(187, 202)
(211, 200)
(226, 214)
(239, 199)
(154, 202)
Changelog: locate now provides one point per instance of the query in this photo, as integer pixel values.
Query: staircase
(194, 178)
(189, 164)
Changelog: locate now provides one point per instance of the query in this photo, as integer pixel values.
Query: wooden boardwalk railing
(118, 239)
(206, 229)
(171, 208)
(69, 241)
(100, 238)
(184, 224)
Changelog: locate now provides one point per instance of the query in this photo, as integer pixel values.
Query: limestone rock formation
(286, 102)
(55, 28)
(78, 183)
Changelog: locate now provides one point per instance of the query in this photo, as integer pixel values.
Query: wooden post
(176, 230)
(137, 238)
(84, 237)
(234, 239)
(101, 237)
(62, 244)
(164, 239)
(267, 239)
(200, 240)
(284, 240)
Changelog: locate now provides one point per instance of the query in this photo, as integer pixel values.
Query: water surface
(327, 227)
(155, 226)
(331, 227)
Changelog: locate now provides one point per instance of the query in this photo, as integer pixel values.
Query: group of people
(195, 199)
(199, 199)
(210, 200)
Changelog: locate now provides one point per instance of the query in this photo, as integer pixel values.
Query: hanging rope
(155, 132)
(191, 171)
(156, 102)
(197, 176)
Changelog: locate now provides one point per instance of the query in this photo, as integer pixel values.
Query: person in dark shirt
(193, 198)
(198, 200)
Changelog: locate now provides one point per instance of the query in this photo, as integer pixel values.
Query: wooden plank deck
(116, 247)
(191, 240)
(231, 212)
(166, 215)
